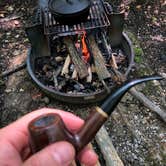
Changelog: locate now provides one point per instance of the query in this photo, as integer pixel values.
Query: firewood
(118, 77)
(65, 69)
(109, 153)
(93, 68)
(89, 78)
(113, 62)
(148, 103)
(74, 75)
(78, 62)
(99, 61)
(55, 75)
(141, 97)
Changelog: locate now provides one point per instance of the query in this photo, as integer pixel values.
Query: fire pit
(77, 63)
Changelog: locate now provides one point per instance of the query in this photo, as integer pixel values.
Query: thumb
(57, 154)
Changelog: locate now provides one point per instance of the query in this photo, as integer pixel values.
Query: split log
(74, 75)
(114, 64)
(142, 98)
(148, 103)
(109, 153)
(89, 78)
(55, 75)
(99, 61)
(78, 62)
(65, 69)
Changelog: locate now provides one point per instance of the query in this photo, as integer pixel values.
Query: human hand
(15, 150)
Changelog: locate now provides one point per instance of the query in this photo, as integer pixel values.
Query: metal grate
(96, 19)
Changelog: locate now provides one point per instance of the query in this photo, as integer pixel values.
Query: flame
(85, 52)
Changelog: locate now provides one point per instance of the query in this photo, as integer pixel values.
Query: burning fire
(82, 46)
(85, 52)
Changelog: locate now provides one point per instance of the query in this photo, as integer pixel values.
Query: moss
(138, 54)
(138, 51)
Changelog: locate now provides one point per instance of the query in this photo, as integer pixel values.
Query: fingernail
(63, 153)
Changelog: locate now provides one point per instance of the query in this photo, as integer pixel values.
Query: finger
(17, 132)
(88, 157)
(58, 154)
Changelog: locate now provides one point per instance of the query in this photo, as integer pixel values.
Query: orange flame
(85, 52)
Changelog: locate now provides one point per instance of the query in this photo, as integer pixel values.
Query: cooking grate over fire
(79, 63)
(96, 19)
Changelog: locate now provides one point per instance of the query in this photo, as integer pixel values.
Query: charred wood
(79, 64)
(65, 69)
(99, 61)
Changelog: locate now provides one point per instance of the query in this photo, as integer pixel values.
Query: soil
(138, 134)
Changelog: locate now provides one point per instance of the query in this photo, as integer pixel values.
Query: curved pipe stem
(111, 102)
(50, 128)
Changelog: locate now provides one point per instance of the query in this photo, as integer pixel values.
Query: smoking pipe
(50, 128)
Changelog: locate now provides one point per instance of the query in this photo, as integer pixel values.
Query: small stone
(10, 8)
(8, 90)
(58, 59)
(8, 33)
(16, 52)
(17, 36)
(16, 22)
(2, 15)
(46, 100)
(6, 41)
(21, 90)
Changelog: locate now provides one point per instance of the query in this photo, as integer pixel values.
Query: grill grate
(96, 19)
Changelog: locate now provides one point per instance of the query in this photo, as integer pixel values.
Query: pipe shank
(95, 120)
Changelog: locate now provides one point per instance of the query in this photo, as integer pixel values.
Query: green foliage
(138, 54)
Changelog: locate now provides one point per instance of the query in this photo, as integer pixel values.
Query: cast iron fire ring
(79, 98)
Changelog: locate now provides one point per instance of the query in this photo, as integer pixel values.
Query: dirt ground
(138, 134)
